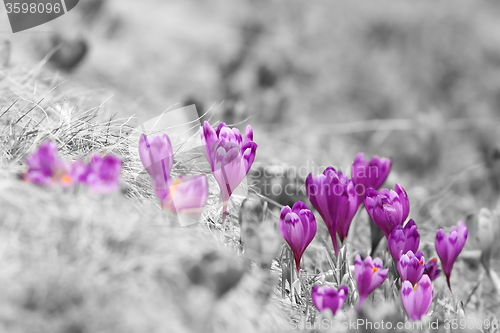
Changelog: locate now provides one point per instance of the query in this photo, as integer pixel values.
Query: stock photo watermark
(25, 15)
(366, 324)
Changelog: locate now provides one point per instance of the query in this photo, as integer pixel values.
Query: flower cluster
(45, 167)
(335, 196)
(230, 157)
(337, 199)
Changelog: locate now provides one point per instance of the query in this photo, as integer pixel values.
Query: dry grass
(74, 261)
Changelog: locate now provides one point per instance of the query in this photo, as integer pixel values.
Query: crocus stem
(224, 212)
(448, 281)
(339, 273)
(229, 192)
(359, 304)
(376, 236)
(292, 280)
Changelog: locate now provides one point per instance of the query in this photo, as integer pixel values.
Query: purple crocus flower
(157, 157)
(332, 194)
(186, 195)
(369, 275)
(411, 266)
(298, 227)
(103, 173)
(387, 208)
(403, 239)
(417, 299)
(325, 297)
(46, 168)
(369, 173)
(230, 156)
(449, 247)
(431, 269)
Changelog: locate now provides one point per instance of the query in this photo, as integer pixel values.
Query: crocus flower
(369, 275)
(298, 227)
(186, 195)
(157, 157)
(403, 239)
(369, 173)
(431, 269)
(46, 168)
(387, 208)
(449, 247)
(411, 266)
(103, 173)
(230, 156)
(417, 299)
(325, 297)
(332, 194)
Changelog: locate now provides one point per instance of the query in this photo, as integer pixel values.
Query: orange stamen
(415, 287)
(174, 186)
(66, 179)
(420, 262)
(375, 269)
(434, 259)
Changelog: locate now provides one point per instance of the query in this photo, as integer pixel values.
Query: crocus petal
(417, 299)
(46, 168)
(408, 299)
(411, 266)
(230, 157)
(369, 173)
(387, 208)
(431, 269)
(298, 228)
(157, 158)
(369, 274)
(325, 297)
(103, 173)
(403, 239)
(249, 134)
(448, 247)
(332, 194)
(187, 195)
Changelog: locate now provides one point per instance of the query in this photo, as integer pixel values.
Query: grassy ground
(417, 82)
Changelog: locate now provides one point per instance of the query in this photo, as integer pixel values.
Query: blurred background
(416, 81)
(318, 80)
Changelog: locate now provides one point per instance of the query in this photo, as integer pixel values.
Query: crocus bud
(369, 173)
(431, 269)
(387, 208)
(157, 157)
(448, 247)
(332, 194)
(230, 157)
(298, 228)
(325, 297)
(403, 239)
(369, 275)
(417, 299)
(411, 266)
